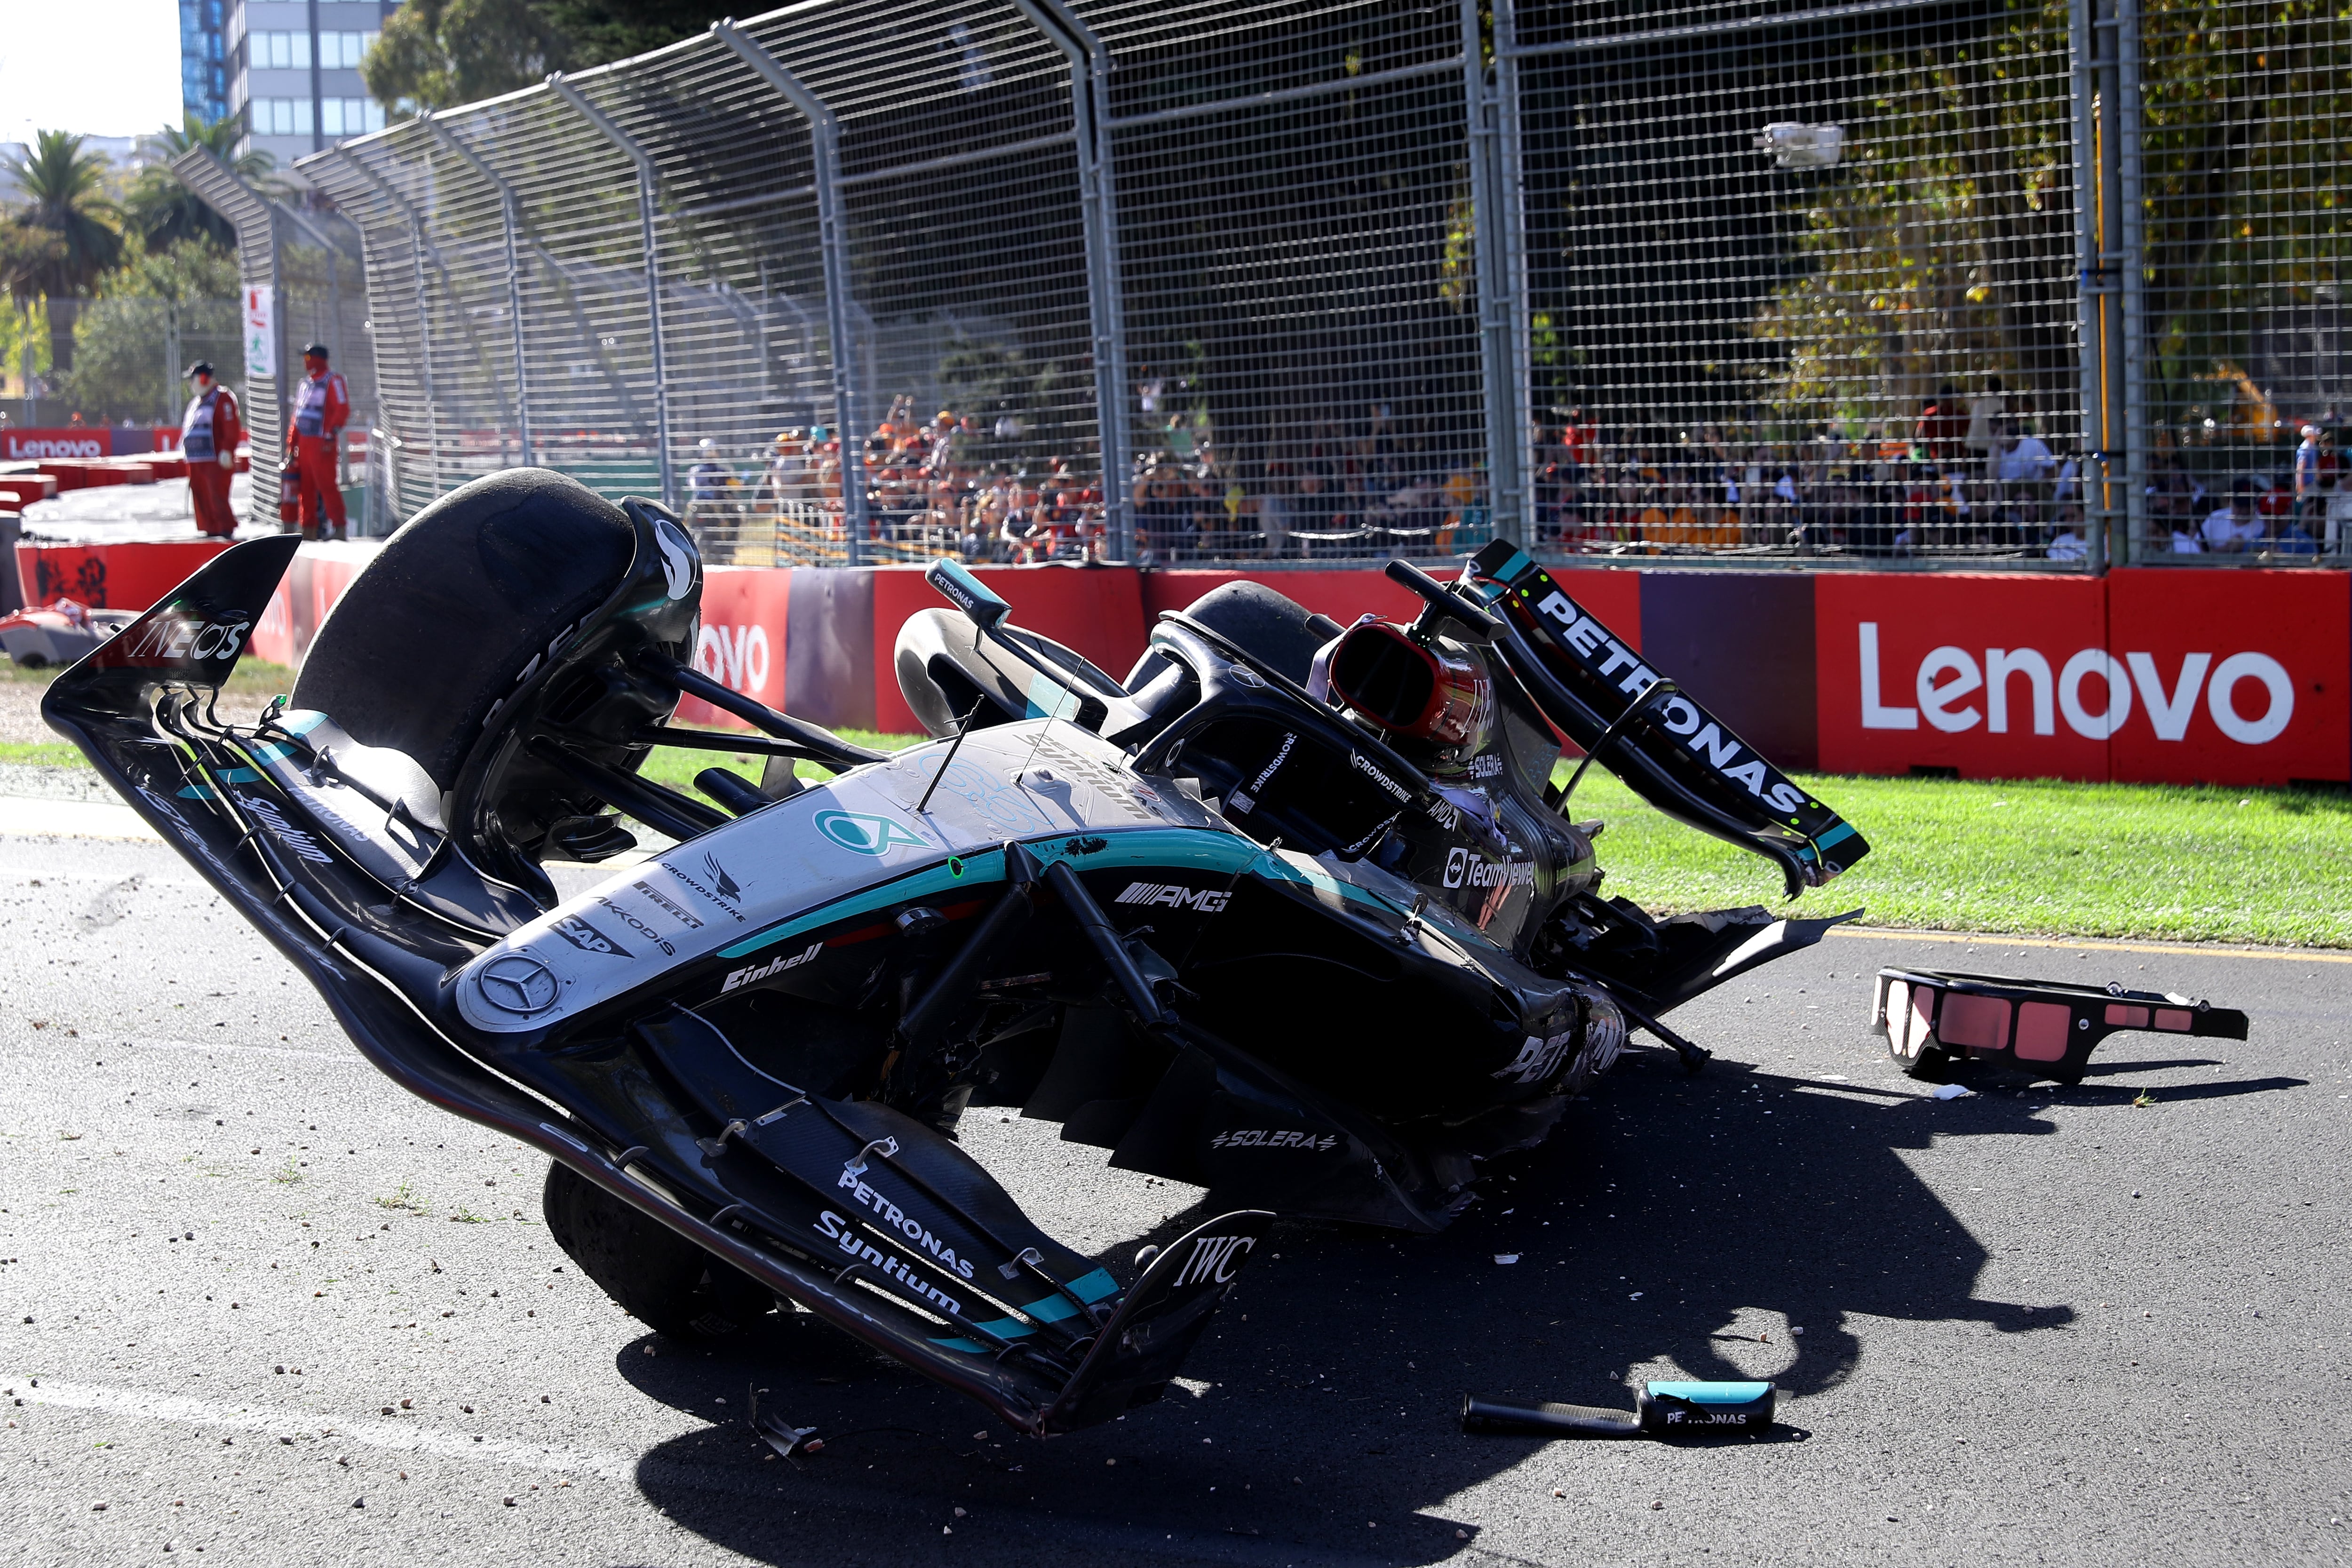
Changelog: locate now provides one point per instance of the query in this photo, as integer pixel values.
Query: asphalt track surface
(2039, 1325)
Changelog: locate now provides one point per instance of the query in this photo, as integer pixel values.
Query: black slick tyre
(655, 1275)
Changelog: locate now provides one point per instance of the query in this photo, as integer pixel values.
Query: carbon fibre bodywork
(1205, 920)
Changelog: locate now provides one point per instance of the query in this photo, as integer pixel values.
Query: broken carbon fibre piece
(1931, 1017)
(1664, 1409)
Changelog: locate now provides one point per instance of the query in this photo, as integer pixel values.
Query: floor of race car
(2037, 1324)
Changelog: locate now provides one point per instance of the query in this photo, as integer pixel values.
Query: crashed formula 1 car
(1294, 913)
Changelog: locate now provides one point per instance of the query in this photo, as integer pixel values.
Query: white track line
(22, 817)
(375, 1432)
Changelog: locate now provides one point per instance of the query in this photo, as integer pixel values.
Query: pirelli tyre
(656, 1276)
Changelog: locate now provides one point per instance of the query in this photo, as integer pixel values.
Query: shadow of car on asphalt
(1690, 1216)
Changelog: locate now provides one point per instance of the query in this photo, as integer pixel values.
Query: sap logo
(1947, 674)
(759, 972)
(1279, 1138)
(735, 656)
(1207, 900)
(1589, 637)
(863, 835)
(1538, 1057)
(1681, 717)
(1464, 869)
(1363, 765)
(285, 832)
(177, 636)
(843, 1234)
(587, 938)
(893, 1217)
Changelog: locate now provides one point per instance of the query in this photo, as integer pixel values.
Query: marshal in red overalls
(322, 406)
(208, 437)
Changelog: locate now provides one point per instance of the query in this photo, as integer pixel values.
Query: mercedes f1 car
(1295, 913)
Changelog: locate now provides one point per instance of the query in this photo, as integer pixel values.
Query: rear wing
(1673, 753)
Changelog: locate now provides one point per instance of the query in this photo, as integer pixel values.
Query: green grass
(2191, 864)
(2036, 858)
(677, 767)
(251, 675)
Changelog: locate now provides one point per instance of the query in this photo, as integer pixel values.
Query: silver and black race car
(1295, 913)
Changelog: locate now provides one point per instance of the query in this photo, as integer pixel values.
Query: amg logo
(1357, 761)
(1208, 902)
(759, 972)
(842, 1234)
(1466, 869)
(285, 832)
(1214, 1258)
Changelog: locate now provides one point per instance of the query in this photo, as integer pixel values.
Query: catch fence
(1973, 282)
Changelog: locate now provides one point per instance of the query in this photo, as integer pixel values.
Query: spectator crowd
(1969, 477)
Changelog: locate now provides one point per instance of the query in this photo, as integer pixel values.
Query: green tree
(436, 54)
(67, 232)
(185, 294)
(601, 30)
(161, 210)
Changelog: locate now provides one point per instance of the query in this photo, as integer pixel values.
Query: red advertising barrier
(1936, 670)
(2147, 675)
(2151, 674)
(746, 614)
(321, 573)
(2247, 681)
(97, 441)
(1097, 610)
(110, 577)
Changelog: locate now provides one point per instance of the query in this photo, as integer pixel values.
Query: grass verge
(2033, 857)
(2036, 857)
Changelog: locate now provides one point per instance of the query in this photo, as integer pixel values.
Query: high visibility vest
(311, 401)
(197, 428)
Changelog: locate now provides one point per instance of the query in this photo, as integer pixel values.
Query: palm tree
(73, 236)
(162, 210)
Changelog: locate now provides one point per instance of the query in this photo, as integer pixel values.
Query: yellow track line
(2190, 950)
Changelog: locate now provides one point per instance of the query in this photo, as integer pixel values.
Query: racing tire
(654, 1274)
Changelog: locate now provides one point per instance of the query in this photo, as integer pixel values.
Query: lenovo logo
(2249, 696)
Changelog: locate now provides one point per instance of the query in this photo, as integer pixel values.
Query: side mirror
(967, 593)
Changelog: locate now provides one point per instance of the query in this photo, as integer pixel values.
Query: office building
(204, 59)
(294, 73)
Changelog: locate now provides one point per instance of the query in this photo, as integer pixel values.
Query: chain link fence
(1985, 283)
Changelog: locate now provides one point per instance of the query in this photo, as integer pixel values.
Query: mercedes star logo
(518, 983)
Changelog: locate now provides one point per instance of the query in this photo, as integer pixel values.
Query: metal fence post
(1098, 213)
(2137, 436)
(645, 189)
(824, 156)
(219, 187)
(401, 204)
(1505, 437)
(2080, 35)
(1511, 178)
(508, 209)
